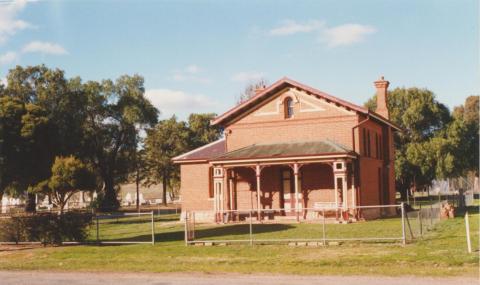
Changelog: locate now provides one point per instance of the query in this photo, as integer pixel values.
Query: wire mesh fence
(385, 223)
(420, 221)
(96, 228)
(123, 228)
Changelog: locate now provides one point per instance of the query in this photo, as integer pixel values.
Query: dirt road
(67, 278)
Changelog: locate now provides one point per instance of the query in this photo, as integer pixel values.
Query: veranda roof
(203, 153)
(280, 150)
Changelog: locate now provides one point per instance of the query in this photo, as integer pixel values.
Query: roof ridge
(286, 80)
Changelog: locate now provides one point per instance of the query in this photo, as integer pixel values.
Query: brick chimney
(259, 90)
(382, 86)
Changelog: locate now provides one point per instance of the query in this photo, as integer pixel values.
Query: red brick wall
(370, 165)
(245, 188)
(270, 184)
(317, 184)
(333, 122)
(336, 129)
(194, 187)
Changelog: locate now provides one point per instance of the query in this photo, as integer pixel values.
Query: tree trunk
(164, 186)
(109, 202)
(61, 205)
(402, 189)
(30, 205)
(137, 182)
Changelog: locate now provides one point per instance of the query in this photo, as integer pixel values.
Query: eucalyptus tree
(115, 113)
(201, 131)
(42, 98)
(166, 140)
(422, 118)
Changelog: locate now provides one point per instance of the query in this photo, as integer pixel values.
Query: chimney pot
(259, 90)
(382, 100)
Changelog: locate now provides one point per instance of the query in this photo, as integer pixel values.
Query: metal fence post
(98, 237)
(153, 229)
(403, 224)
(324, 233)
(186, 230)
(431, 215)
(420, 219)
(251, 230)
(467, 229)
(193, 225)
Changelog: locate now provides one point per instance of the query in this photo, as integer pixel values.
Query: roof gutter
(387, 122)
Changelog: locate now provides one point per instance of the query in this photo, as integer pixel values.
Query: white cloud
(290, 27)
(44, 47)
(8, 57)
(192, 73)
(3, 81)
(180, 103)
(347, 34)
(342, 35)
(193, 68)
(246, 76)
(9, 24)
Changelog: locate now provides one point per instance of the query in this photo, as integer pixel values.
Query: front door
(288, 190)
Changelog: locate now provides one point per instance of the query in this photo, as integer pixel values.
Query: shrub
(47, 228)
(13, 229)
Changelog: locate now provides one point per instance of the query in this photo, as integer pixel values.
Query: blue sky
(197, 56)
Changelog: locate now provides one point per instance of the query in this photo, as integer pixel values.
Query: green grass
(441, 252)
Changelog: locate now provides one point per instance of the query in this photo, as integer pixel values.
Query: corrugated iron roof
(285, 150)
(205, 152)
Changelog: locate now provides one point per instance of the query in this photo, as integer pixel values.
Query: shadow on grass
(471, 210)
(130, 221)
(216, 232)
(226, 231)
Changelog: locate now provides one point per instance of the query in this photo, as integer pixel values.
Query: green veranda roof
(285, 150)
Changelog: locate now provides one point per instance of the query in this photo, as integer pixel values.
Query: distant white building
(127, 196)
(148, 195)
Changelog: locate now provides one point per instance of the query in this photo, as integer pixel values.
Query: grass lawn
(441, 252)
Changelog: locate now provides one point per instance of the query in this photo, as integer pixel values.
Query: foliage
(435, 144)
(468, 114)
(41, 107)
(201, 132)
(44, 115)
(69, 175)
(168, 139)
(47, 228)
(420, 154)
(251, 89)
(116, 112)
(171, 138)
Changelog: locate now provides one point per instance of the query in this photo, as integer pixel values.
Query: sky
(198, 56)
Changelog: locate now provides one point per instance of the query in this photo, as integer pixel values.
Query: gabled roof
(287, 82)
(203, 153)
(285, 150)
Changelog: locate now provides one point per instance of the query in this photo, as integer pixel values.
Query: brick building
(293, 149)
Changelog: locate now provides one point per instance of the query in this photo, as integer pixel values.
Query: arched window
(288, 108)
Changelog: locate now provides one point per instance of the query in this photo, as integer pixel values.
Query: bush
(47, 228)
